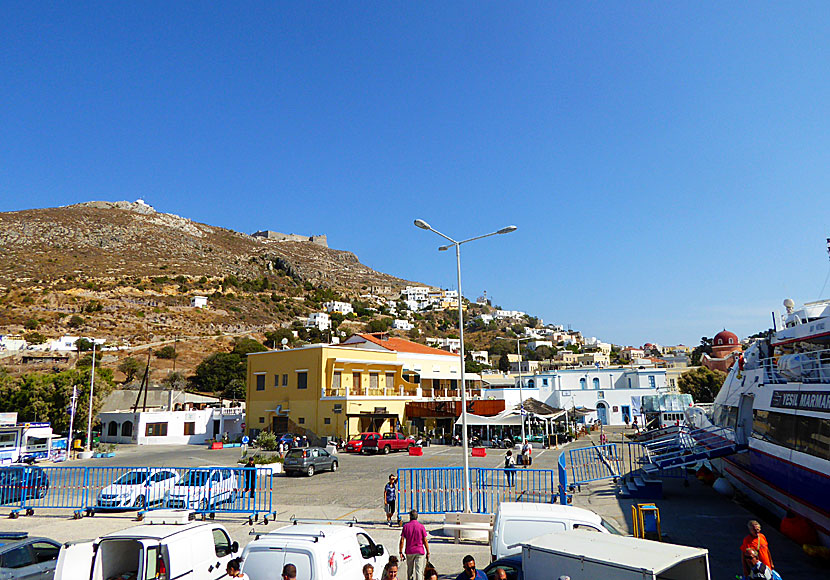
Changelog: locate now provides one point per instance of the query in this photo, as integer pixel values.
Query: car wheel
(140, 502)
(333, 466)
(41, 491)
(310, 471)
(386, 450)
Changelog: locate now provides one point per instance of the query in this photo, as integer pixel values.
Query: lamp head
(507, 230)
(422, 224)
(444, 248)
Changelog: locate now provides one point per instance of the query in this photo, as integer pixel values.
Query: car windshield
(296, 453)
(132, 478)
(366, 436)
(195, 478)
(608, 526)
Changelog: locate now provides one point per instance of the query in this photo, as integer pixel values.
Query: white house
(611, 394)
(534, 344)
(509, 314)
(68, 342)
(198, 301)
(448, 344)
(417, 293)
(319, 320)
(402, 325)
(339, 307)
(163, 427)
(480, 356)
(485, 318)
(12, 342)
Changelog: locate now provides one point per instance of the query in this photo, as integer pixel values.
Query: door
(743, 428)
(75, 561)
(215, 428)
(602, 413)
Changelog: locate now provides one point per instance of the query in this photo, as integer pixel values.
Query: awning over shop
(452, 409)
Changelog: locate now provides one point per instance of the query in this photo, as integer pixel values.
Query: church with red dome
(726, 348)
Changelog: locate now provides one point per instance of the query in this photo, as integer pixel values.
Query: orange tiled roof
(402, 345)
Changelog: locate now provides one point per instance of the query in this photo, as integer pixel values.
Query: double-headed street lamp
(453, 243)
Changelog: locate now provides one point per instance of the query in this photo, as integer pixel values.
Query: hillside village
(167, 328)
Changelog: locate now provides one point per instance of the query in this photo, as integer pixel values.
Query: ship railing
(814, 368)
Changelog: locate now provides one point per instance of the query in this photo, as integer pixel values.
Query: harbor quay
(693, 515)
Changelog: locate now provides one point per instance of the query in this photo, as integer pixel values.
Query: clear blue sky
(666, 164)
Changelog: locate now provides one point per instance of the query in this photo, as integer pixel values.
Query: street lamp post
(457, 244)
(521, 397)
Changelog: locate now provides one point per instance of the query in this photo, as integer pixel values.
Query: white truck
(168, 546)
(585, 555)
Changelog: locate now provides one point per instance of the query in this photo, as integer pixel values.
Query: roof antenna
(820, 294)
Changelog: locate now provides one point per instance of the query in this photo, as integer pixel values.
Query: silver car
(25, 558)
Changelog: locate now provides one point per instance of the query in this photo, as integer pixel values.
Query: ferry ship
(775, 404)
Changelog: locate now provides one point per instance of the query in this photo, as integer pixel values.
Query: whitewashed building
(12, 342)
(338, 307)
(68, 342)
(509, 314)
(402, 325)
(164, 427)
(416, 293)
(198, 301)
(609, 394)
(319, 320)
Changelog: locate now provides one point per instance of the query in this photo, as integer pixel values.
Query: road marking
(349, 513)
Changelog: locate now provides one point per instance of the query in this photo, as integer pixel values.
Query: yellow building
(363, 384)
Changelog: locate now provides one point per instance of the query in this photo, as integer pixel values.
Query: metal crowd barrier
(438, 490)
(205, 490)
(595, 463)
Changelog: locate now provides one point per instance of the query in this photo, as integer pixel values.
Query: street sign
(243, 426)
(245, 440)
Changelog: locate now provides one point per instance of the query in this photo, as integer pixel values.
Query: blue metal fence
(437, 490)
(595, 463)
(206, 490)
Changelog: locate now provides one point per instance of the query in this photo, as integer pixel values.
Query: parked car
(308, 460)
(512, 565)
(167, 546)
(19, 480)
(317, 550)
(356, 444)
(387, 443)
(203, 488)
(137, 489)
(25, 558)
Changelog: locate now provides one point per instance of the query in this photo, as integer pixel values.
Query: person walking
(758, 542)
(368, 572)
(527, 449)
(470, 572)
(250, 478)
(756, 569)
(414, 547)
(390, 495)
(289, 572)
(510, 468)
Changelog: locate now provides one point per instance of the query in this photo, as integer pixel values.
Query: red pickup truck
(388, 442)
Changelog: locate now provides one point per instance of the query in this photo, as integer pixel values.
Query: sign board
(243, 425)
(8, 418)
(245, 440)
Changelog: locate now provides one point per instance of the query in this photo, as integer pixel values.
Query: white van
(168, 546)
(317, 550)
(517, 522)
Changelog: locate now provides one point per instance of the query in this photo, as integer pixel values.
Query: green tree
(167, 352)
(470, 365)
(701, 383)
(130, 367)
(83, 344)
(35, 338)
(504, 363)
(705, 347)
(274, 337)
(379, 325)
(219, 370)
(244, 346)
(75, 321)
(31, 324)
(174, 380)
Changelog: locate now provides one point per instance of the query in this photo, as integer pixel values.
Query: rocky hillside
(111, 241)
(124, 272)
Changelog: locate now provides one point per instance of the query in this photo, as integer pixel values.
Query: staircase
(675, 450)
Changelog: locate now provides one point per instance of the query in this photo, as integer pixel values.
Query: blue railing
(438, 490)
(595, 463)
(204, 490)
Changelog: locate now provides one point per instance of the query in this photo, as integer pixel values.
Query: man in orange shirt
(758, 542)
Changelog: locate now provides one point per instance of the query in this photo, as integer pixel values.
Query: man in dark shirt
(470, 572)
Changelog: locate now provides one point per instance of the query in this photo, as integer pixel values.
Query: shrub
(167, 352)
(75, 321)
(31, 324)
(267, 441)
